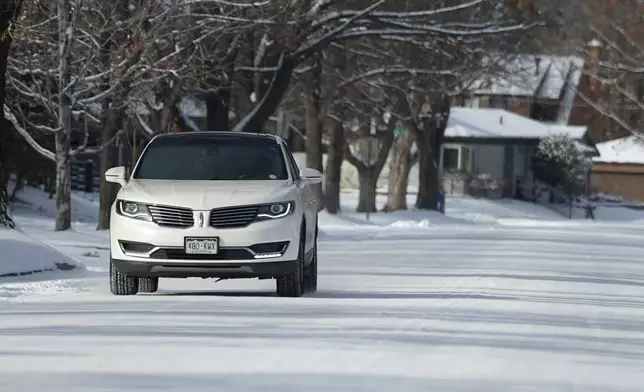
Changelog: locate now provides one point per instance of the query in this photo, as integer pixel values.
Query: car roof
(219, 135)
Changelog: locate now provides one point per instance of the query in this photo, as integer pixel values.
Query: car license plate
(201, 245)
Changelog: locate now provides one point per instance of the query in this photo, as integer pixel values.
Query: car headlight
(133, 210)
(275, 210)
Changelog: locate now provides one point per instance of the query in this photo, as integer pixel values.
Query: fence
(559, 201)
(86, 175)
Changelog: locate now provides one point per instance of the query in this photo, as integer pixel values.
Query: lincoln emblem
(201, 219)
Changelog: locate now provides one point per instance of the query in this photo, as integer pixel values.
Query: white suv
(214, 205)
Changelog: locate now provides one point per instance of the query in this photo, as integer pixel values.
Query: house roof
(472, 123)
(533, 75)
(536, 75)
(625, 150)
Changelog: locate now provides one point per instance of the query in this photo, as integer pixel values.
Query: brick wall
(519, 106)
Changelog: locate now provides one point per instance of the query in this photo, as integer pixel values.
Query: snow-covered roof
(536, 75)
(625, 150)
(502, 124)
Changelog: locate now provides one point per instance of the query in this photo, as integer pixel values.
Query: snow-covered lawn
(21, 255)
(475, 300)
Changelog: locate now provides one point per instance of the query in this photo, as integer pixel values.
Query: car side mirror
(311, 175)
(116, 175)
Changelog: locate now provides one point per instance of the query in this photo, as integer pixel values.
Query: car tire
(293, 284)
(311, 273)
(121, 284)
(148, 285)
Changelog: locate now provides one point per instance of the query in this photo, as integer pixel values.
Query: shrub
(560, 164)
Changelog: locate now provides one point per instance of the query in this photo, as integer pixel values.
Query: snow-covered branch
(8, 114)
(401, 70)
(317, 43)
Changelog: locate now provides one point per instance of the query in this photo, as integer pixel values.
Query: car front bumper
(261, 249)
(232, 270)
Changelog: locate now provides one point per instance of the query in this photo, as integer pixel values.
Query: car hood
(205, 195)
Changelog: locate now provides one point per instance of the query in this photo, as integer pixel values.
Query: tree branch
(8, 114)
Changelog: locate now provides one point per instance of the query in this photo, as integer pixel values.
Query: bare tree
(613, 81)
(371, 133)
(430, 71)
(168, 48)
(80, 61)
(60, 63)
(608, 36)
(314, 25)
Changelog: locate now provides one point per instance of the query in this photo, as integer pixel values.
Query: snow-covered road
(446, 308)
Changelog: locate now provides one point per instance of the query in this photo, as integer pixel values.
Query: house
(496, 142)
(532, 96)
(619, 168)
(538, 86)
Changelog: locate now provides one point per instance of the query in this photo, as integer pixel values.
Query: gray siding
(489, 159)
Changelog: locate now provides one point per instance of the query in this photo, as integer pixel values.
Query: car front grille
(171, 216)
(224, 254)
(231, 217)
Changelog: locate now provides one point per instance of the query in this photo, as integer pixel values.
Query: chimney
(594, 50)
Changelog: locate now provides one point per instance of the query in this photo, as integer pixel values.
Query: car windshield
(212, 158)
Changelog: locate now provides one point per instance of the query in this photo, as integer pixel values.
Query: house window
(457, 159)
(466, 160)
(544, 112)
(450, 158)
(498, 102)
(471, 102)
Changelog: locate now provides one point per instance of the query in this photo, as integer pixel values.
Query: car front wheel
(121, 284)
(292, 285)
(311, 272)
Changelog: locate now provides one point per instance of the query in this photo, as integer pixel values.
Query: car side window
(291, 163)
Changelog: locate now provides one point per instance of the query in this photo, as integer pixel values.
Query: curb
(59, 267)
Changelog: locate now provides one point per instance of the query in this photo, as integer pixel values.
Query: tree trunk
(333, 172)
(217, 108)
(255, 120)
(367, 197)
(109, 159)
(5, 213)
(314, 130)
(62, 137)
(429, 140)
(20, 178)
(63, 181)
(399, 167)
(6, 17)
(50, 182)
(368, 174)
(428, 170)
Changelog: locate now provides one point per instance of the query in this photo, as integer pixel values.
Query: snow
(570, 92)
(407, 301)
(498, 124)
(23, 256)
(625, 150)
